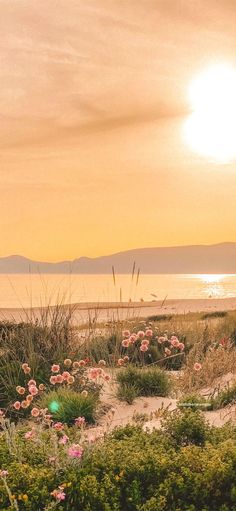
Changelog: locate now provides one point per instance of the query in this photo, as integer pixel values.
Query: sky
(93, 99)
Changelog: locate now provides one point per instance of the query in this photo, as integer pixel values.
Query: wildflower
(80, 421)
(143, 348)
(20, 390)
(3, 473)
(67, 362)
(2, 413)
(125, 343)
(76, 365)
(24, 366)
(58, 426)
(107, 377)
(82, 363)
(102, 363)
(55, 368)
(16, 405)
(53, 380)
(84, 393)
(32, 383)
(181, 346)
(145, 342)
(197, 366)
(70, 380)
(126, 358)
(167, 352)
(174, 341)
(25, 404)
(29, 434)
(87, 360)
(75, 451)
(35, 412)
(42, 386)
(33, 390)
(27, 370)
(93, 373)
(161, 339)
(65, 375)
(149, 332)
(223, 341)
(141, 334)
(63, 440)
(59, 378)
(133, 338)
(59, 495)
(126, 333)
(120, 362)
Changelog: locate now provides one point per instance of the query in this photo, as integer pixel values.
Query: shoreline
(104, 311)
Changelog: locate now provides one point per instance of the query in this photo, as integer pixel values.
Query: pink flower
(3, 473)
(174, 341)
(35, 412)
(75, 451)
(76, 364)
(93, 373)
(197, 366)
(120, 362)
(126, 333)
(133, 338)
(80, 421)
(58, 426)
(16, 405)
(70, 380)
(42, 386)
(141, 334)
(145, 342)
(31, 383)
(25, 403)
(58, 494)
(82, 363)
(65, 375)
(167, 352)
(125, 343)
(29, 398)
(59, 378)
(161, 339)
(143, 348)
(63, 440)
(20, 390)
(33, 390)
(107, 377)
(67, 362)
(102, 363)
(29, 434)
(55, 368)
(24, 366)
(149, 332)
(181, 346)
(84, 393)
(27, 370)
(126, 358)
(53, 380)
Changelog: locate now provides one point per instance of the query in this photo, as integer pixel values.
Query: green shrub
(136, 382)
(186, 427)
(224, 398)
(215, 314)
(65, 405)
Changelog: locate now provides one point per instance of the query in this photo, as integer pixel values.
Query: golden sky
(93, 97)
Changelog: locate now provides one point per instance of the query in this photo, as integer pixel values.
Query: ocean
(38, 290)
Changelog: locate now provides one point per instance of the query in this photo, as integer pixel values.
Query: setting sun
(211, 128)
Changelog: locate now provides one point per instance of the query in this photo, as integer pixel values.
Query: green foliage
(39, 343)
(130, 470)
(65, 405)
(135, 382)
(214, 315)
(224, 398)
(160, 317)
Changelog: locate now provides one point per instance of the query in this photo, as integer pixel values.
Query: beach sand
(110, 311)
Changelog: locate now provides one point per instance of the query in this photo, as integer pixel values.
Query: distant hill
(220, 258)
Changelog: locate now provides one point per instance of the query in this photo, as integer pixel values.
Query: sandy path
(114, 311)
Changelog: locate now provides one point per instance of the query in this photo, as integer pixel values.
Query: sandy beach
(110, 311)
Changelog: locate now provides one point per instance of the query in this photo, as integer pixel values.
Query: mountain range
(218, 258)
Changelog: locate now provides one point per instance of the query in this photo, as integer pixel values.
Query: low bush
(214, 315)
(135, 382)
(130, 470)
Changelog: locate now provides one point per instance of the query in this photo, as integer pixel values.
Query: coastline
(105, 311)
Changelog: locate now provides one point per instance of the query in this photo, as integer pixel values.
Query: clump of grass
(135, 382)
(160, 317)
(225, 397)
(65, 405)
(215, 314)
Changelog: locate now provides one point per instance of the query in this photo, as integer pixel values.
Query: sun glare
(211, 128)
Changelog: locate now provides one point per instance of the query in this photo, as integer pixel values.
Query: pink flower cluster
(75, 451)
(143, 337)
(59, 493)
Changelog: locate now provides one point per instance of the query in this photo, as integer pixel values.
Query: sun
(211, 128)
